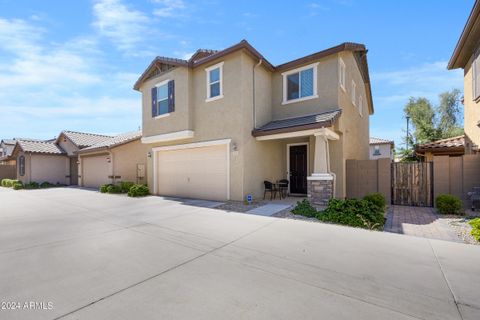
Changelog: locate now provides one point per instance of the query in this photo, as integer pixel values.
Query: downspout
(254, 103)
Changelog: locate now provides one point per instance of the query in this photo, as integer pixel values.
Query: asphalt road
(77, 254)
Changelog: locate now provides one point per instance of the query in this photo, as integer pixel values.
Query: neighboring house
(120, 158)
(71, 142)
(6, 149)
(221, 123)
(53, 160)
(381, 148)
(467, 56)
(454, 146)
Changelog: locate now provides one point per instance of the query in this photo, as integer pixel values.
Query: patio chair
(270, 187)
(283, 188)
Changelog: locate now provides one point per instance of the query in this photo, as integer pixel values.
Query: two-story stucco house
(223, 122)
(467, 56)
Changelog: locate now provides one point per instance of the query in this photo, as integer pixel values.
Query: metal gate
(412, 183)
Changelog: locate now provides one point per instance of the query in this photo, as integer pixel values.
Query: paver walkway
(420, 222)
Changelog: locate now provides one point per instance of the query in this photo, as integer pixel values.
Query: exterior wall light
(149, 154)
(109, 160)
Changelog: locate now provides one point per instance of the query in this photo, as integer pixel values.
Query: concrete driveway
(86, 255)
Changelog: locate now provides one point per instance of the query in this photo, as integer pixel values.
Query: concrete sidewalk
(98, 256)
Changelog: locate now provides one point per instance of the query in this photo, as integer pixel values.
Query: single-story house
(381, 148)
(120, 158)
(52, 160)
(454, 146)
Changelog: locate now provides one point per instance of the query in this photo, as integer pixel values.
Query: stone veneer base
(319, 191)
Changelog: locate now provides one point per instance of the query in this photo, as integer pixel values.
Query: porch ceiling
(303, 123)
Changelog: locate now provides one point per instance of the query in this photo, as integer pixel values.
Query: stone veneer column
(321, 184)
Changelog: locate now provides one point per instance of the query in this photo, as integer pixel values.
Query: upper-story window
(342, 71)
(163, 98)
(354, 93)
(300, 84)
(376, 151)
(360, 105)
(476, 75)
(214, 82)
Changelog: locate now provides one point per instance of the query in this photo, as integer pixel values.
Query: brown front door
(298, 169)
(73, 171)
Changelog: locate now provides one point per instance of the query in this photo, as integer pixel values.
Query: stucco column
(321, 184)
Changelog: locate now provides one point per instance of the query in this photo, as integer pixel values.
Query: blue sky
(72, 64)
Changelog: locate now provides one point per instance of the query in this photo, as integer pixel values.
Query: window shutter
(154, 102)
(171, 96)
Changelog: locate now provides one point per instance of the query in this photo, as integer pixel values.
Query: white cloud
(170, 8)
(125, 27)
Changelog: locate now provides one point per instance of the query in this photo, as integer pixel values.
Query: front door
(298, 169)
(73, 171)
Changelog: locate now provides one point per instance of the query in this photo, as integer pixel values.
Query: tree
(432, 123)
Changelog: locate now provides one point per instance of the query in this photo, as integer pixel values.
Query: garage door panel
(95, 171)
(194, 173)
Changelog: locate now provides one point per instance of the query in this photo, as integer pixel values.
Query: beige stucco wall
(125, 160)
(326, 88)
(40, 168)
(67, 145)
(471, 110)
(385, 151)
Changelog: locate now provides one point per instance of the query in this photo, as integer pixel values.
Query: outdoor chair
(270, 187)
(283, 188)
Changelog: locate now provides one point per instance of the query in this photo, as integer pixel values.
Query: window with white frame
(300, 84)
(214, 82)
(360, 105)
(342, 70)
(354, 93)
(162, 99)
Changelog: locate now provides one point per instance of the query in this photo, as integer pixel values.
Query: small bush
(126, 185)
(31, 185)
(354, 213)
(448, 204)
(304, 208)
(17, 185)
(475, 223)
(103, 188)
(138, 190)
(377, 199)
(9, 182)
(46, 184)
(114, 189)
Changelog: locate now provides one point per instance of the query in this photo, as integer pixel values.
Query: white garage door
(200, 172)
(95, 171)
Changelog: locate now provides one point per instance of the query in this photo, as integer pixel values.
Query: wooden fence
(8, 171)
(412, 184)
(367, 176)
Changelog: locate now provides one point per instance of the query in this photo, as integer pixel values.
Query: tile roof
(319, 120)
(115, 141)
(453, 142)
(9, 141)
(82, 139)
(374, 140)
(35, 146)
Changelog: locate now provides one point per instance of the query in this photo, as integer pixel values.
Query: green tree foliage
(431, 123)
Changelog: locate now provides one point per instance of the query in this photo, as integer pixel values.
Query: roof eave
(455, 62)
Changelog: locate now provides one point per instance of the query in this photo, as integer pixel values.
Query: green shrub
(138, 190)
(31, 185)
(448, 204)
(103, 188)
(114, 189)
(304, 208)
(17, 185)
(9, 182)
(126, 185)
(354, 213)
(377, 199)
(46, 184)
(475, 223)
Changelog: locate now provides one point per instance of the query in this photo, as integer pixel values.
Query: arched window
(21, 165)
